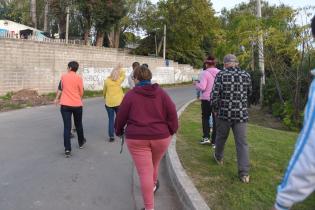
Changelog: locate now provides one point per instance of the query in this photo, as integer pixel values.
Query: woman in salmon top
(71, 91)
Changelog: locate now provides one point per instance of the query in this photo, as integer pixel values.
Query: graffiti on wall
(94, 77)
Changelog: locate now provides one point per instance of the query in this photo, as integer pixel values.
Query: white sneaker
(245, 179)
(205, 141)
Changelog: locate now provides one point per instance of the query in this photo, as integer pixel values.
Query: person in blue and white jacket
(299, 179)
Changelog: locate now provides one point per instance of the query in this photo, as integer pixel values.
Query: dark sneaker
(245, 179)
(81, 146)
(111, 139)
(219, 162)
(156, 186)
(67, 153)
(205, 141)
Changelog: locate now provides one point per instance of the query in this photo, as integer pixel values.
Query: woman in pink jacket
(205, 86)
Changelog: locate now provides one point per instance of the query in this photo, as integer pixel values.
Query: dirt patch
(23, 98)
(261, 116)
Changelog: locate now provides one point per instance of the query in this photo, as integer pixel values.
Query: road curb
(187, 193)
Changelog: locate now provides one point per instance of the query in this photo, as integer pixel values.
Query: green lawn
(270, 151)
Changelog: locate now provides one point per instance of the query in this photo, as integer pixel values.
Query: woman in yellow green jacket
(113, 95)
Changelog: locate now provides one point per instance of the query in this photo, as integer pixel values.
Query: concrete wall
(26, 64)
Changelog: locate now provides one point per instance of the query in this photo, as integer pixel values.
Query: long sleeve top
(148, 114)
(206, 82)
(230, 94)
(299, 179)
(112, 91)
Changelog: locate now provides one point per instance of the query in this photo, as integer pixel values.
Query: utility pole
(67, 25)
(156, 51)
(46, 16)
(164, 45)
(261, 56)
(33, 13)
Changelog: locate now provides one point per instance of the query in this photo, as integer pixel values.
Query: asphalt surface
(34, 174)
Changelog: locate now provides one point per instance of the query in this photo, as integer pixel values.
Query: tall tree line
(192, 32)
(85, 15)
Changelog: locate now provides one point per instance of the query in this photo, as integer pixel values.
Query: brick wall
(26, 64)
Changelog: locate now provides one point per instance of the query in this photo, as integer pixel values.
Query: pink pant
(147, 155)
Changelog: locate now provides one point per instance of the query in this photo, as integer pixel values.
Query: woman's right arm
(122, 76)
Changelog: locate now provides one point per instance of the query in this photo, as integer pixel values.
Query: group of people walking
(224, 99)
(146, 116)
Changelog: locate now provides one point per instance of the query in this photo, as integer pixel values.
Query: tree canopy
(193, 31)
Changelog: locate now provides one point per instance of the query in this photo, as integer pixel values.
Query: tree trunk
(46, 15)
(86, 37)
(33, 13)
(297, 95)
(160, 46)
(100, 39)
(116, 36)
(277, 83)
(87, 29)
(110, 37)
(62, 26)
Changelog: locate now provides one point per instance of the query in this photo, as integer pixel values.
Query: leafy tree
(116, 37)
(188, 24)
(15, 10)
(59, 10)
(287, 52)
(105, 15)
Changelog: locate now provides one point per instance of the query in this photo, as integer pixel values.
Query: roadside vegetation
(270, 151)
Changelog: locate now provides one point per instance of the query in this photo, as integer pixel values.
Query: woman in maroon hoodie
(151, 119)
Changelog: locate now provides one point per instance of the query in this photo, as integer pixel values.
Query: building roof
(16, 27)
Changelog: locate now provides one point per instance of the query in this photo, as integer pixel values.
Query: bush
(277, 109)
(288, 117)
(7, 96)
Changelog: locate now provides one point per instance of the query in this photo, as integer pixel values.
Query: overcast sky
(219, 4)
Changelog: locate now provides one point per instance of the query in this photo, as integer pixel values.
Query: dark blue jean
(111, 111)
(67, 112)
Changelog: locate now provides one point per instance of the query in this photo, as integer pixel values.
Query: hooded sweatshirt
(148, 112)
(206, 82)
(299, 179)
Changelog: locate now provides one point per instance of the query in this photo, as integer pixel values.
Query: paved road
(35, 175)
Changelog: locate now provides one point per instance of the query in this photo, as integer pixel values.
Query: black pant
(67, 112)
(206, 111)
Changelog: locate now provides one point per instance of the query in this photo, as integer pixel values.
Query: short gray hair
(230, 59)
